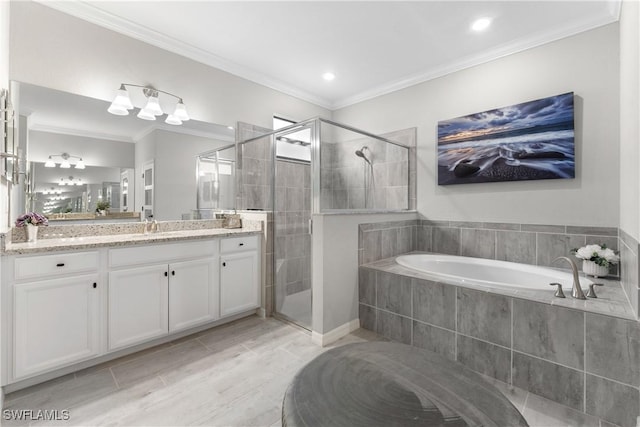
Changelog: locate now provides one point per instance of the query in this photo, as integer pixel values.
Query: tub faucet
(576, 292)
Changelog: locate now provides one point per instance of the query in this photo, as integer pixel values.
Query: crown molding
(471, 61)
(79, 132)
(90, 13)
(183, 131)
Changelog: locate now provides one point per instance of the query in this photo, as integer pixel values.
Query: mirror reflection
(217, 179)
(84, 163)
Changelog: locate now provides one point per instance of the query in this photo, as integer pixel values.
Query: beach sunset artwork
(528, 141)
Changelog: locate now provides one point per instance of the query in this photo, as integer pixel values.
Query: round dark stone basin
(389, 384)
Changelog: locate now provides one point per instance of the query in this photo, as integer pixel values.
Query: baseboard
(261, 312)
(335, 334)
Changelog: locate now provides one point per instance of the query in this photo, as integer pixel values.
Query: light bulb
(80, 164)
(65, 164)
(146, 115)
(50, 163)
(121, 103)
(173, 120)
(181, 111)
(153, 106)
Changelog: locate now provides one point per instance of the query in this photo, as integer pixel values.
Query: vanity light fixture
(64, 162)
(122, 104)
(70, 181)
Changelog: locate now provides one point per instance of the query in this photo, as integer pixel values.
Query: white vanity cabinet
(193, 293)
(239, 274)
(158, 289)
(56, 311)
(138, 305)
(68, 307)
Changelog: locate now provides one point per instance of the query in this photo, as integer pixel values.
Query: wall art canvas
(528, 141)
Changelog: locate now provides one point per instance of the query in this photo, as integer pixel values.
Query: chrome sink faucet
(576, 292)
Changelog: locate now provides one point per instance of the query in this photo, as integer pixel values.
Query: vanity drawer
(31, 267)
(236, 244)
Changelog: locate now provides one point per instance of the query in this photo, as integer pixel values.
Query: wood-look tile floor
(232, 375)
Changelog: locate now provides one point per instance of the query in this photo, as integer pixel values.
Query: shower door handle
(310, 226)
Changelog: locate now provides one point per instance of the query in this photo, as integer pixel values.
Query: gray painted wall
(586, 64)
(630, 118)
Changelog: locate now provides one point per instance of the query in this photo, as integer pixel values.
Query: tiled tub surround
(629, 271)
(524, 243)
(580, 358)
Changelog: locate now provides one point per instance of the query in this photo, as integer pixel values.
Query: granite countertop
(91, 242)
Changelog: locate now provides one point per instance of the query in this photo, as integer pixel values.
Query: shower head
(360, 153)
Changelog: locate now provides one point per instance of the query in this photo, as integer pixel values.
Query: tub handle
(592, 291)
(559, 292)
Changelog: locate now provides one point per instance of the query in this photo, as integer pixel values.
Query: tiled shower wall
(391, 178)
(293, 242)
(343, 176)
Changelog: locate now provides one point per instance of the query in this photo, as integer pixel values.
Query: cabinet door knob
(95, 285)
(60, 264)
(173, 273)
(224, 264)
(241, 244)
(166, 274)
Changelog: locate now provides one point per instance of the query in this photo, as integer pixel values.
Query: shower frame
(315, 125)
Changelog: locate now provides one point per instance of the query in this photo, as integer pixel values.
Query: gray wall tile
(551, 246)
(367, 286)
(389, 242)
(600, 231)
(478, 243)
(501, 226)
(485, 316)
(434, 339)
(555, 382)
(434, 303)
(465, 224)
(544, 228)
(516, 246)
(394, 327)
(553, 333)
(367, 317)
(485, 358)
(613, 348)
(393, 293)
(423, 238)
(372, 245)
(404, 241)
(611, 401)
(446, 240)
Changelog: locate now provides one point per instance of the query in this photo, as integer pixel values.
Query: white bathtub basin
(491, 273)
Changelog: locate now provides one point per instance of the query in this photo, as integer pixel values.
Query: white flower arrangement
(601, 255)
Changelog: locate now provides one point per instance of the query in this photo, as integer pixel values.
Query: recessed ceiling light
(481, 24)
(328, 76)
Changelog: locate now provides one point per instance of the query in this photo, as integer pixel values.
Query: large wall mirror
(81, 159)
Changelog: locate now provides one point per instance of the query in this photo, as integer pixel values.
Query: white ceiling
(373, 47)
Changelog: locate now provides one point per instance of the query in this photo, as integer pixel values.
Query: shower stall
(314, 167)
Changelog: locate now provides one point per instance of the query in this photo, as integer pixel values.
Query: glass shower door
(292, 215)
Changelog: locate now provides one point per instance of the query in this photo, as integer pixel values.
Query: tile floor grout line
(113, 375)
